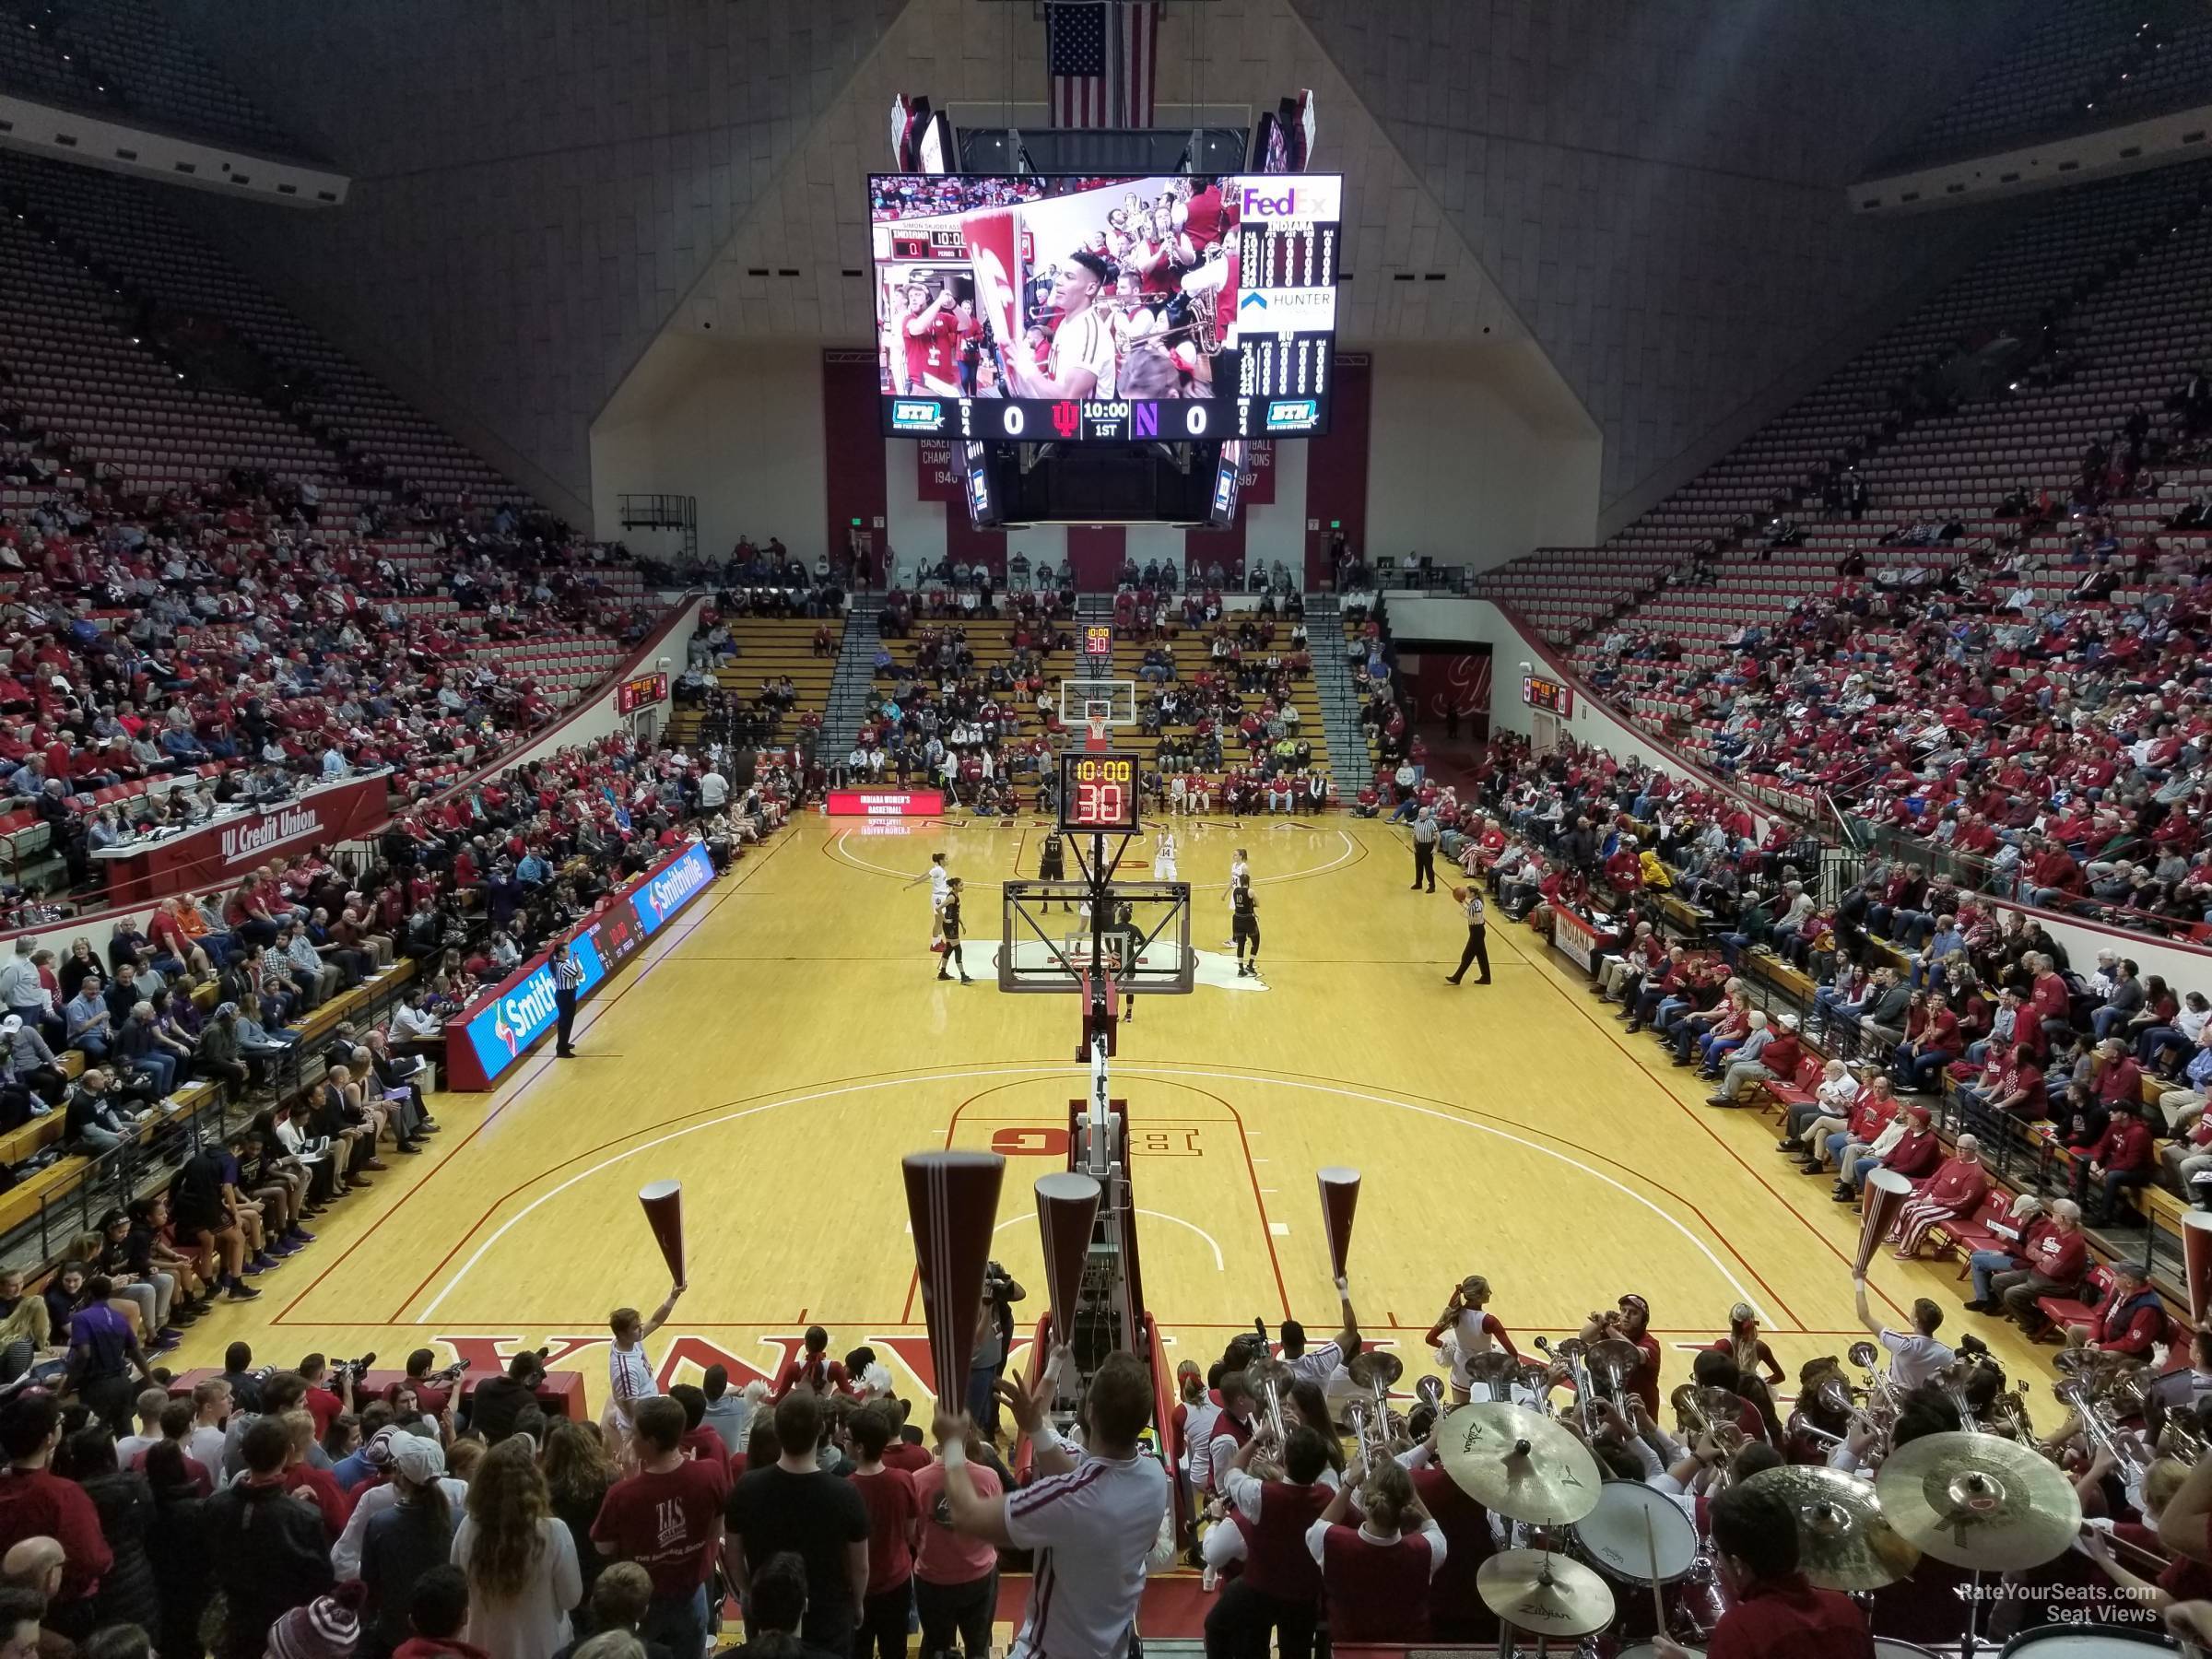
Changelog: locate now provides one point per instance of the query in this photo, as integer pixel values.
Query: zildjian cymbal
(1844, 1542)
(1520, 1462)
(1544, 1595)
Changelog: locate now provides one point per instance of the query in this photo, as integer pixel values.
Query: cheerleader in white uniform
(1471, 1330)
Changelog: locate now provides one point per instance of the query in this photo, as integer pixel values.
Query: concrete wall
(1477, 455)
(738, 425)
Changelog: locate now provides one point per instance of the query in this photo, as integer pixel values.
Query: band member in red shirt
(1775, 1612)
(1376, 1574)
(1279, 1589)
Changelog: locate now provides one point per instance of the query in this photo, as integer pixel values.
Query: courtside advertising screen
(1173, 309)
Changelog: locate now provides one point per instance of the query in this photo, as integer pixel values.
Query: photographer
(498, 1401)
(994, 1342)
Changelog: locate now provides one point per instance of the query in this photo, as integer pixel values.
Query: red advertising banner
(886, 803)
(641, 692)
(214, 852)
(1445, 682)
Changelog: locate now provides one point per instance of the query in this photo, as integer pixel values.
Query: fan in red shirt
(2126, 1155)
(930, 336)
(894, 1530)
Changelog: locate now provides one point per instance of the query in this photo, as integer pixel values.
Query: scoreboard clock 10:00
(1098, 793)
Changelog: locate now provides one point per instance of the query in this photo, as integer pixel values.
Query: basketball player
(1080, 362)
(948, 921)
(1470, 905)
(630, 1374)
(1124, 943)
(1244, 923)
(940, 880)
(1471, 1330)
(1163, 857)
(1240, 874)
(1093, 1518)
(1051, 862)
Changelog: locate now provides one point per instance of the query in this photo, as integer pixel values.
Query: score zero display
(1098, 793)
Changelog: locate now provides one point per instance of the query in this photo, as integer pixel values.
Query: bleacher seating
(124, 59)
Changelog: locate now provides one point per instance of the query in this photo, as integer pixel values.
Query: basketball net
(1095, 716)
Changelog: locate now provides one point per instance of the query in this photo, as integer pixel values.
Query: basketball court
(787, 1044)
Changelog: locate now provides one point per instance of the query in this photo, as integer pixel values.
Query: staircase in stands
(850, 683)
(1352, 762)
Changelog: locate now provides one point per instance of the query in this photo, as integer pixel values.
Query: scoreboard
(1549, 695)
(1098, 793)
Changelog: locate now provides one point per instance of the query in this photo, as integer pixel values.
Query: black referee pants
(1477, 951)
(564, 1002)
(1424, 863)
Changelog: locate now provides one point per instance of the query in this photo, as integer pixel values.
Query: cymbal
(1522, 1463)
(1844, 1542)
(1613, 1356)
(1544, 1595)
(1980, 1502)
(1376, 1365)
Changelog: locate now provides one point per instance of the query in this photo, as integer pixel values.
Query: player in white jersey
(1163, 858)
(1239, 874)
(630, 1375)
(1092, 1519)
(940, 884)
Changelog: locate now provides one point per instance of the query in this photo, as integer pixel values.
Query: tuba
(1695, 1418)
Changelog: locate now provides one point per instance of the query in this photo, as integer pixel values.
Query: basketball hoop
(1096, 736)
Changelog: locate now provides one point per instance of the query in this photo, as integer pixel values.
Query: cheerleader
(1244, 927)
(1163, 857)
(1470, 1330)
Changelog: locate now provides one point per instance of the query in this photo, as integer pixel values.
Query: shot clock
(1098, 793)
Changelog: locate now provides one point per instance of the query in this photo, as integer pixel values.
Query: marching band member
(1456, 1612)
(1376, 1575)
(1775, 1613)
(1473, 1330)
(1815, 1425)
(2182, 1579)
(1279, 1589)
(1956, 1189)
(2183, 1390)
(1631, 1324)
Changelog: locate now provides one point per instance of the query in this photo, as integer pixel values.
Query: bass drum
(2089, 1642)
(1631, 1526)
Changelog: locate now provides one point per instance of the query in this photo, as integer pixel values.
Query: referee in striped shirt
(568, 974)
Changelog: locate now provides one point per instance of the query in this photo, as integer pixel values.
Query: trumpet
(2098, 1412)
(1881, 1399)
(1267, 1379)
(1694, 1419)
(1374, 1371)
(1429, 1392)
(2009, 1414)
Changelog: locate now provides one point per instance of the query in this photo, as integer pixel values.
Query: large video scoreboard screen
(1105, 310)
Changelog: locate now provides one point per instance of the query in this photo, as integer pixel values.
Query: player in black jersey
(1244, 925)
(1052, 864)
(951, 923)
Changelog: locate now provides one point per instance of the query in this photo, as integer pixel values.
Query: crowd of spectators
(307, 1514)
(235, 630)
(2044, 741)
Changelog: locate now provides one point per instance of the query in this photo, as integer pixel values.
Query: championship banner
(939, 474)
(1885, 1196)
(952, 1205)
(2196, 1262)
(1339, 1199)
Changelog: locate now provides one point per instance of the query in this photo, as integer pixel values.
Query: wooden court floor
(783, 1046)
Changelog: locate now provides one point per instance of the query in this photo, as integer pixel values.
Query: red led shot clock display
(1098, 793)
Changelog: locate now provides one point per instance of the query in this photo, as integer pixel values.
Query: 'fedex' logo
(1258, 204)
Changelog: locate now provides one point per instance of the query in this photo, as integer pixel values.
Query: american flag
(1103, 56)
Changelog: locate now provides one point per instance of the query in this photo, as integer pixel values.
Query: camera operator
(994, 1342)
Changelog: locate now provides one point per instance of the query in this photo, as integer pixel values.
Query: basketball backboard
(1045, 941)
